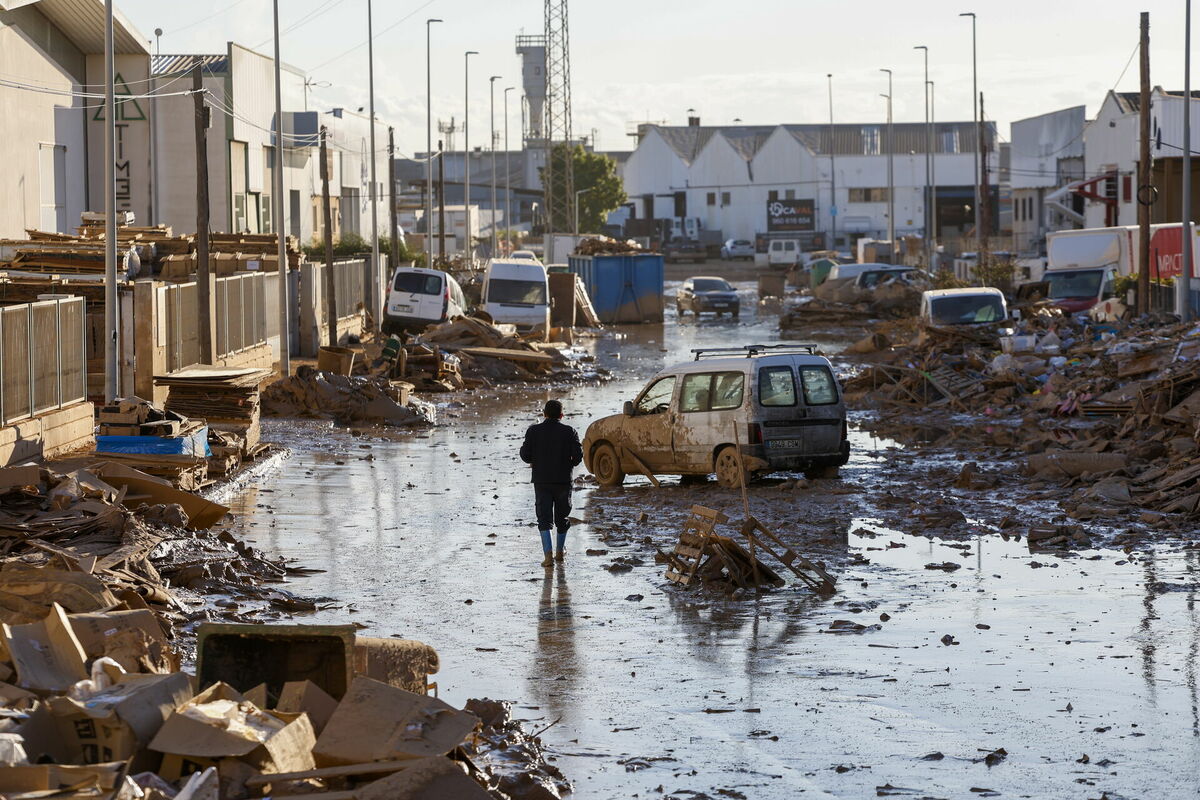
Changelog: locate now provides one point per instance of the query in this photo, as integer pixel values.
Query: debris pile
(492, 353)
(162, 443)
(604, 246)
(348, 400)
(227, 398)
(887, 294)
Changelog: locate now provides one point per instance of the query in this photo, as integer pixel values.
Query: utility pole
(891, 200)
(1185, 283)
(112, 383)
(928, 155)
(977, 113)
(933, 175)
(428, 148)
(832, 173)
(327, 222)
(492, 140)
(985, 194)
(374, 288)
(470, 249)
(203, 278)
(508, 225)
(441, 202)
(1143, 209)
(393, 222)
(285, 339)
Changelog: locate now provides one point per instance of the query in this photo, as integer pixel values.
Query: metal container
(624, 288)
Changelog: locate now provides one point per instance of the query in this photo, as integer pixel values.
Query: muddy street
(1000, 673)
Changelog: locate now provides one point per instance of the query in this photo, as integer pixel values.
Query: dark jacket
(553, 450)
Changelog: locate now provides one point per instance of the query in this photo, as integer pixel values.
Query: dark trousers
(553, 504)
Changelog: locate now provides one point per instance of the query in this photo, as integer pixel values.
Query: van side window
(819, 388)
(776, 386)
(711, 391)
(657, 398)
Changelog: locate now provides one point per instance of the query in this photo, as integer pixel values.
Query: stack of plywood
(228, 398)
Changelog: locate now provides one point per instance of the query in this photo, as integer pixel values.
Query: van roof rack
(752, 350)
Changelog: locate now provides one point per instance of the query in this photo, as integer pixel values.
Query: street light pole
(467, 156)
(428, 149)
(1184, 301)
(832, 173)
(111, 366)
(928, 169)
(285, 328)
(376, 288)
(492, 146)
(933, 175)
(978, 135)
(507, 174)
(577, 194)
(891, 169)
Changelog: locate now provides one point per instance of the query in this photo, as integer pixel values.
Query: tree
(595, 172)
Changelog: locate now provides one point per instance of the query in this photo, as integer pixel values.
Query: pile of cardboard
(227, 398)
(481, 344)
(604, 246)
(133, 416)
(349, 400)
(160, 442)
(259, 247)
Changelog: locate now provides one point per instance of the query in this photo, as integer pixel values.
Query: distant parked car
(421, 297)
(703, 293)
(972, 306)
(737, 248)
(909, 275)
(685, 250)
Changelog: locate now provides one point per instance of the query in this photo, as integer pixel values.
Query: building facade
(1047, 158)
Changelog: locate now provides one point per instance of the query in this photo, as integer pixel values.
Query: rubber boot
(562, 541)
(548, 560)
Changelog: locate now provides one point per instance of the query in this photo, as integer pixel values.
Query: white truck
(1082, 266)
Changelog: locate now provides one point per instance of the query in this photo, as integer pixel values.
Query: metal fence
(43, 357)
(349, 278)
(241, 317)
(182, 325)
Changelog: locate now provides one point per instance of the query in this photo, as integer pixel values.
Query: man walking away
(553, 450)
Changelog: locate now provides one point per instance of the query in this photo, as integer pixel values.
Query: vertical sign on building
(132, 167)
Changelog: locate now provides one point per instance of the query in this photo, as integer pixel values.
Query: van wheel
(729, 468)
(606, 466)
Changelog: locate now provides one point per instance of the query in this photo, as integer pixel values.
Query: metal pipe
(112, 385)
(1184, 300)
(492, 143)
(978, 134)
(375, 288)
(507, 173)
(428, 150)
(285, 343)
(832, 173)
(928, 155)
(891, 200)
(467, 157)
(933, 175)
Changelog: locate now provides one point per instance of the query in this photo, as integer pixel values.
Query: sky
(760, 61)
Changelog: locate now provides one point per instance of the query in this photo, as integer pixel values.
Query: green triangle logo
(127, 110)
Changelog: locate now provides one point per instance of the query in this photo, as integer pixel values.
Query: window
(776, 386)
(725, 199)
(710, 285)
(790, 194)
(948, 142)
(711, 198)
(772, 196)
(503, 290)
(870, 140)
(860, 195)
(711, 391)
(819, 388)
(657, 398)
(416, 283)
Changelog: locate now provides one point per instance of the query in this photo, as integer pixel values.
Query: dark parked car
(702, 294)
(685, 250)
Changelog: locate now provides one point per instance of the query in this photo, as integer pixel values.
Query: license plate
(720, 305)
(398, 308)
(783, 444)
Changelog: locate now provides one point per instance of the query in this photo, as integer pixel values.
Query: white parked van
(783, 253)
(421, 297)
(516, 291)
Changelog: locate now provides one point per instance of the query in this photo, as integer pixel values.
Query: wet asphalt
(1082, 669)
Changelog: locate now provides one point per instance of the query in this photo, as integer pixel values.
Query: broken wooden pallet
(693, 544)
(819, 580)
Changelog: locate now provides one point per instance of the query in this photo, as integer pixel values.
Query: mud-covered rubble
(346, 399)
(844, 302)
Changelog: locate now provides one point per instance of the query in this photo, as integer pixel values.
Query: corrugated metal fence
(43, 357)
(348, 279)
(242, 315)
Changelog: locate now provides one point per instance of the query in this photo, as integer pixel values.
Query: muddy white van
(421, 297)
(783, 400)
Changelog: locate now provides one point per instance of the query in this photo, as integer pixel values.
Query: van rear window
(711, 391)
(819, 387)
(416, 283)
(776, 386)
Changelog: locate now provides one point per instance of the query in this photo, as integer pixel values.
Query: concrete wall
(48, 436)
(133, 154)
(1110, 143)
(654, 168)
(44, 134)
(175, 158)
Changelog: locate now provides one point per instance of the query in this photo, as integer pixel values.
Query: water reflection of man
(553, 450)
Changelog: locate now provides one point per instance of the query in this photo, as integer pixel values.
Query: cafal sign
(790, 215)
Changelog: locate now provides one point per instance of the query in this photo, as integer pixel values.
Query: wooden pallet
(692, 547)
(819, 580)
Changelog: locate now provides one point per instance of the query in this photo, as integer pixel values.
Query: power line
(382, 31)
(207, 17)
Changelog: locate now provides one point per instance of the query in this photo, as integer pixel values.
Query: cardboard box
(377, 722)
(308, 698)
(116, 429)
(188, 738)
(223, 263)
(165, 427)
(23, 778)
(46, 654)
(134, 639)
(425, 779)
(119, 722)
(177, 266)
(26, 592)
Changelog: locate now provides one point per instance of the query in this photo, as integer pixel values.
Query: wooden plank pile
(138, 424)
(227, 398)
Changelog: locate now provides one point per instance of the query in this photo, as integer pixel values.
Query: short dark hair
(553, 409)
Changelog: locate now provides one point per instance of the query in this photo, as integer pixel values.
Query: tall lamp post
(978, 135)
(832, 173)
(1185, 283)
(375, 284)
(891, 201)
(467, 154)
(928, 167)
(577, 195)
(428, 149)
(492, 146)
(507, 174)
(933, 176)
(285, 328)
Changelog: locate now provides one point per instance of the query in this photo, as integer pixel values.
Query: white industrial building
(1047, 159)
(726, 176)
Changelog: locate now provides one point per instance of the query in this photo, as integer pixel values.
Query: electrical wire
(329, 5)
(381, 32)
(87, 95)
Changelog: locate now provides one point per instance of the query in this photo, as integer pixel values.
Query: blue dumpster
(623, 288)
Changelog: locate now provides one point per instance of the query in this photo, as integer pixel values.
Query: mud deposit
(955, 661)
